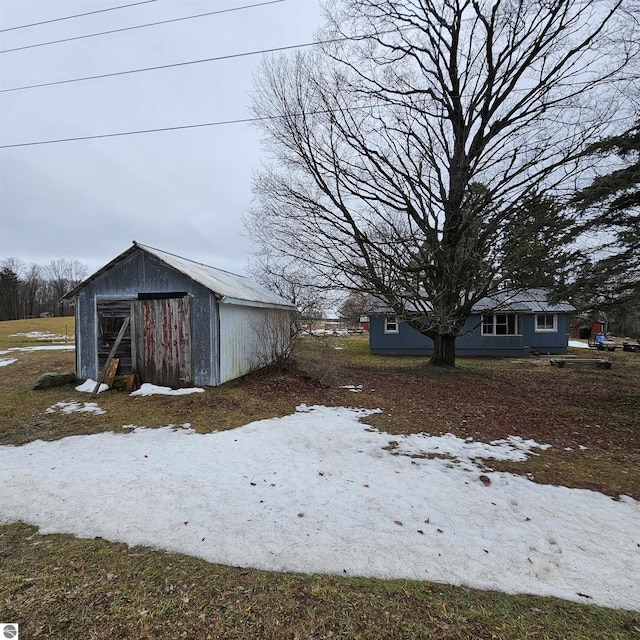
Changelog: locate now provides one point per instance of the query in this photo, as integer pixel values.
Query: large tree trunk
(444, 351)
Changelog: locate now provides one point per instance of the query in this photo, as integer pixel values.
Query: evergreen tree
(607, 278)
(9, 294)
(535, 251)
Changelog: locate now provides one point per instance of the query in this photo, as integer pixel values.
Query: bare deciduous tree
(274, 341)
(381, 137)
(295, 283)
(31, 285)
(353, 307)
(63, 275)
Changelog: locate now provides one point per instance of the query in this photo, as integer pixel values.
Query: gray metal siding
(246, 335)
(137, 273)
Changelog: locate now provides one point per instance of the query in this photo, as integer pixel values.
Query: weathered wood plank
(121, 333)
(110, 373)
(111, 314)
(163, 341)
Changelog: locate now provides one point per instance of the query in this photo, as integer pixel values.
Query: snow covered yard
(320, 515)
(319, 491)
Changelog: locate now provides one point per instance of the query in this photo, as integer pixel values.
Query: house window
(391, 325)
(501, 324)
(546, 322)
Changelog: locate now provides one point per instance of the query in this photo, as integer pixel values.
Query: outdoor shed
(510, 324)
(189, 324)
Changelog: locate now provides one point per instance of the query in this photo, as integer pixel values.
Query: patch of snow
(578, 344)
(48, 347)
(513, 448)
(5, 361)
(40, 335)
(89, 385)
(329, 332)
(236, 497)
(71, 407)
(356, 388)
(148, 389)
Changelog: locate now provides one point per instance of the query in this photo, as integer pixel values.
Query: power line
(218, 123)
(77, 15)
(140, 26)
(133, 133)
(172, 65)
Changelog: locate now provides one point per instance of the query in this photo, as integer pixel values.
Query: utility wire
(140, 26)
(77, 15)
(133, 133)
(174, 64)
(218, 123)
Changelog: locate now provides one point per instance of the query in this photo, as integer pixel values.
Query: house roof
(527, 301)
(229, 287)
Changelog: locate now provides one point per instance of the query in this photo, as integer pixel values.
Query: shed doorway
(111, 315)
(162, 339)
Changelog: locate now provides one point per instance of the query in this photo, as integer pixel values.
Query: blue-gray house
(505, 325)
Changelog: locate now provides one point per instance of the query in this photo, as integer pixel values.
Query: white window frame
(391, 321)
(554, 322)
(494, 324)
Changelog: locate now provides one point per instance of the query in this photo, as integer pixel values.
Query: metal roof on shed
(227, 285)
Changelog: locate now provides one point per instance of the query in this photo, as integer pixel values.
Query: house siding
(471, 342)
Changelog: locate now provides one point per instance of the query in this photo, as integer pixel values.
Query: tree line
(29, 291)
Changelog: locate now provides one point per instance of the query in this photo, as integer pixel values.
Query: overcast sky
(184, 191)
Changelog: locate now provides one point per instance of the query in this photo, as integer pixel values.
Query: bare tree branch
(405, 146)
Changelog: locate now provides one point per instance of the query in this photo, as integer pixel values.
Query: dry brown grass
(59, 586)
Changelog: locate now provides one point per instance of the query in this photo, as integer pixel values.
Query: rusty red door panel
(163, 341)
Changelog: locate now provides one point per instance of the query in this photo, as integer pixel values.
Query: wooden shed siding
(163, 341)
(110, 317)
(223, 343)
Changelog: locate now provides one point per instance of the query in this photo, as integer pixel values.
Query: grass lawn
(58, 586)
